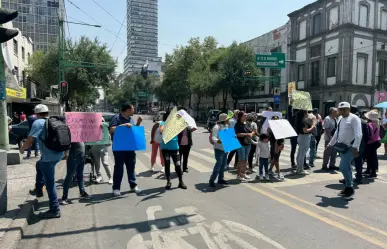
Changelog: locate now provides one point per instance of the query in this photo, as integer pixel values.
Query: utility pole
(5, 35)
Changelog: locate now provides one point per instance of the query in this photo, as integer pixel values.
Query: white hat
(223, 117)
(372, 115)
(344, 105)
(41, 108)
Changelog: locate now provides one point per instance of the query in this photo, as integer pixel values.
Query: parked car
(158, 116)
(108, 116)
(212, 118)
(18, 133)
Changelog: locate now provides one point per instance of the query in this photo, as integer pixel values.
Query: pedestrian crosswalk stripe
(140, 167)
(204, 157)
(211, 151)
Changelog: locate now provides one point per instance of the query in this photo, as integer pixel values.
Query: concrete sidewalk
(21, 178)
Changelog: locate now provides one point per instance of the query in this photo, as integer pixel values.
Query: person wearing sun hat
(220, 154)
(373, 142)
(346, 141)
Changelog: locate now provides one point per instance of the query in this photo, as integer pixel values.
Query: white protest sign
(190, 121)
(282, 129)
(269, 115)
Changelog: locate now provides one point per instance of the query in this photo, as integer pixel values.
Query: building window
(315, 51)
(302, 30)
(331, 68)
(16, 73)
(15, 47)
(363, 15)
(28, 57)
(361, 76)
(383, 20)
(315, 73)
(316, 27)
(23, 53)
(301, 72)
(333, 17)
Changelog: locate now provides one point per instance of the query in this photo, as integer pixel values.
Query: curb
(14, 232)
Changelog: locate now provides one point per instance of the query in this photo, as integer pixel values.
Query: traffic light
(64, 88)
(247, 73)
(6, 16)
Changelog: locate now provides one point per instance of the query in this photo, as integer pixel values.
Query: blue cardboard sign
(277, 99)
(129, 139)
(229, 140)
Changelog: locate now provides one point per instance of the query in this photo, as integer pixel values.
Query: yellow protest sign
(302, 101)
(230, 114)
(173, 126)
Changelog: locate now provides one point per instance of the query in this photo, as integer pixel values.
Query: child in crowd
(264, 155)
(276, 146)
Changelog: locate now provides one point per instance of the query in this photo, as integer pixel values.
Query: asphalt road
(296, 213)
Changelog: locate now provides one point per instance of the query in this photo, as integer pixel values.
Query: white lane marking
(211, 151)
(204, 157)
(140, 167)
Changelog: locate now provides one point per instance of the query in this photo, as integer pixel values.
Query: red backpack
(210, 137)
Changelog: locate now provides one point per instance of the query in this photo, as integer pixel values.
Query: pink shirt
(184, 138)
(374, 133)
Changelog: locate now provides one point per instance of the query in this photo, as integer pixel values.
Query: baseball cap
(41, 108)
(344, 105)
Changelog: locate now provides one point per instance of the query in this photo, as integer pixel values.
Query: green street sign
(270, 60)
(142, 94)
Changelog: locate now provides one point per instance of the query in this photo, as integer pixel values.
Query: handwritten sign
(173, 126)
(302, 101)
(84, 126)
(190, 121)
(282, 129)
(129, 139)
(105, 136)
(229, 140)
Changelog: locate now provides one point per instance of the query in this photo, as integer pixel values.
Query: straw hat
(372, 115)
(223, 117)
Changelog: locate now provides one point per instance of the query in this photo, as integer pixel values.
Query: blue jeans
(75, 164)
(39, 181)
(346, 167)
(129, 159)
(47, 170)
(303, 146)
(220, 165)
(313, 150)
(263, 163)
(36, 146)
(243, 152)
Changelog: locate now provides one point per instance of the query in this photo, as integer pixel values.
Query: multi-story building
(273, 41)
(37, 19)
(340, 52)
(142, 32)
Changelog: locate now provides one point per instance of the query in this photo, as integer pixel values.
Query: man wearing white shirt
(348, 133)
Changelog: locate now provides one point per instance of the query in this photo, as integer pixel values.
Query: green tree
(92, 67)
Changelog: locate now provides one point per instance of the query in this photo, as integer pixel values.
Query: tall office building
(37, 19)
(142, 31)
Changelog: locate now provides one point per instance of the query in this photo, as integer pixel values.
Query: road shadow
(335, 186)
(322, 171)
(337, 202)
(149, 173)
(294, 176)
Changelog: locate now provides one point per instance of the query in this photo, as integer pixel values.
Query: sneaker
(162, 170)
(311, 166)
(333, 167)
(358, 181)
(116, 193)
(212, 184)
(64, 201)
(372, 176)
(271, 173)
(324, 167)
(253, 170)
(110, 180)
(99, 179)
(260, 177)
(50, 214)
(303, 173)
(168, 186)
(342, 181)
(135, 190)
(280, 177)
(185, 170)
(182, 185)
(223, 182)
(37, 193)
(294, 166)
(366, 172)
(349, 194)
(267, 178)
(240, 178)
(85, 196)
(246, 177)
(152, 168)
(37, 155)
(343, 192)
(306, 167)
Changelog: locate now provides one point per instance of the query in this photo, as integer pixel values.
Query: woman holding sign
(304, 127)
(244, 135)
(171, 150)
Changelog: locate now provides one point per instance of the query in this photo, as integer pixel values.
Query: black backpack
(58, 136)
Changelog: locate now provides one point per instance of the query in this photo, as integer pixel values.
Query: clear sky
(179, 20)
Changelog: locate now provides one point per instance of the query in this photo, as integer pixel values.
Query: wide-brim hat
(372, 115)
(223, 117)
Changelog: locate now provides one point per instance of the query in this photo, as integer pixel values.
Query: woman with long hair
(244, 135)
(304, 127)
(251, 122)
(171, 150)
(373, 143)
